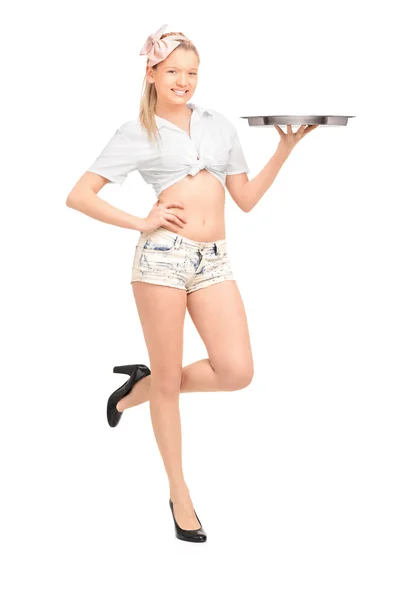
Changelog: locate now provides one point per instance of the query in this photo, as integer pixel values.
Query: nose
(181, 81)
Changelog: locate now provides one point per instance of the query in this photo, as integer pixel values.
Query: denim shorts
(167, 258)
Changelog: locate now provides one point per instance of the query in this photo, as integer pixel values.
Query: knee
(167, 386)
(237, 377)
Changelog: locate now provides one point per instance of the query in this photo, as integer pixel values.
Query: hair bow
(157, 49)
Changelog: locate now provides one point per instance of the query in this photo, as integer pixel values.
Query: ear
(149, 74)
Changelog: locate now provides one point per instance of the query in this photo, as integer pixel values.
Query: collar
(198, 112)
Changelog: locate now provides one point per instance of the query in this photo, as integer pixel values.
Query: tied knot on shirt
(205, 162)
(198, 166)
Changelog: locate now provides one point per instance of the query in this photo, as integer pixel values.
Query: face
(179, 71)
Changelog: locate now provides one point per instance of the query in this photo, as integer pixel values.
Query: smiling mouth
(181, 94)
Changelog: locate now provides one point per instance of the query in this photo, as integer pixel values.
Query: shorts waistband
(179, 239)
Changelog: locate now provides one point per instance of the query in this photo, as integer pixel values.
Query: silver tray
(272, 120)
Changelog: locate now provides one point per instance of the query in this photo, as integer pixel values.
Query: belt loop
(216, 249)
(178, 242)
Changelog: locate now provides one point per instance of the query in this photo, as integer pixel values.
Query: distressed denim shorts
(167, 258)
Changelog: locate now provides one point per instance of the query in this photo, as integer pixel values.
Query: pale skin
(194, 207)
(219, 316)
(217, 311)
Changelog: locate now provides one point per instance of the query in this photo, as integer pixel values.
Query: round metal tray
(271, 120)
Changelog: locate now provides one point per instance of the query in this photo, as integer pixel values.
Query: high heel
(127, 369)
(136, 373)
(188, 535)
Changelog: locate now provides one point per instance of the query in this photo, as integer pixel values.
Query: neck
(167, 110)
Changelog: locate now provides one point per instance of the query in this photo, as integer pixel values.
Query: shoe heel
(136, 373)
(126, 369)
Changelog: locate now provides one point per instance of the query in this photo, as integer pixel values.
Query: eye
(173, 71)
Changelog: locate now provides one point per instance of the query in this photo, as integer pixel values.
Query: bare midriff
(203, 197)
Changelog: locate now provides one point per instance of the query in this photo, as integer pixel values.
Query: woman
(181, 262)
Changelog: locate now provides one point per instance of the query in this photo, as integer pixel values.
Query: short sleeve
(117, 159)
(237, 162)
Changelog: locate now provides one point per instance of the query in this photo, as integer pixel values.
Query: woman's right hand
(160, 215)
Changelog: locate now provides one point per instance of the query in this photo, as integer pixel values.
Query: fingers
(172, 220)
(310, 128)
(167, 222)
(175, 218)
(168, 216)
(295, 137)
(302, 127)
(175, 204)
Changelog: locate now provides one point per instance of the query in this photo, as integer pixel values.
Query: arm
(114, 163)
(247, 193)
(252, 191)
(84, 198)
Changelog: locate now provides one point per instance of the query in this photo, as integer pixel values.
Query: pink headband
(156, 49)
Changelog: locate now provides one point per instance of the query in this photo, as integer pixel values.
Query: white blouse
(213, 145)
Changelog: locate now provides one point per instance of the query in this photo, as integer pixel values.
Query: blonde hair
(148, 99)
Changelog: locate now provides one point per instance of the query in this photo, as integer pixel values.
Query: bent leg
(219, 316)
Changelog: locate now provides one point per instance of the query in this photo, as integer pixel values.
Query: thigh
(161, 311)
(219, 316)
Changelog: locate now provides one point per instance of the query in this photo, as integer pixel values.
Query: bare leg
(196, 377)
(162, 311)
(218, 314)
(220, 318)
(165, 417)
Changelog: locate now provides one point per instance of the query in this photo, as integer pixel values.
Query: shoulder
(133, 136)
(222, 120)
(131, 129)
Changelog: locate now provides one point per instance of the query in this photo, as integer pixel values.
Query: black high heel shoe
(136, 373)
(188, 535)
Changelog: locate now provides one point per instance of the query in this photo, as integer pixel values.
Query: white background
(296, 477)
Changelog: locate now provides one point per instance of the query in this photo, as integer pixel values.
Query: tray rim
(296, 116)
(298, 120)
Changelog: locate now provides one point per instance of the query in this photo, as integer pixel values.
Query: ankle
(179, 493)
